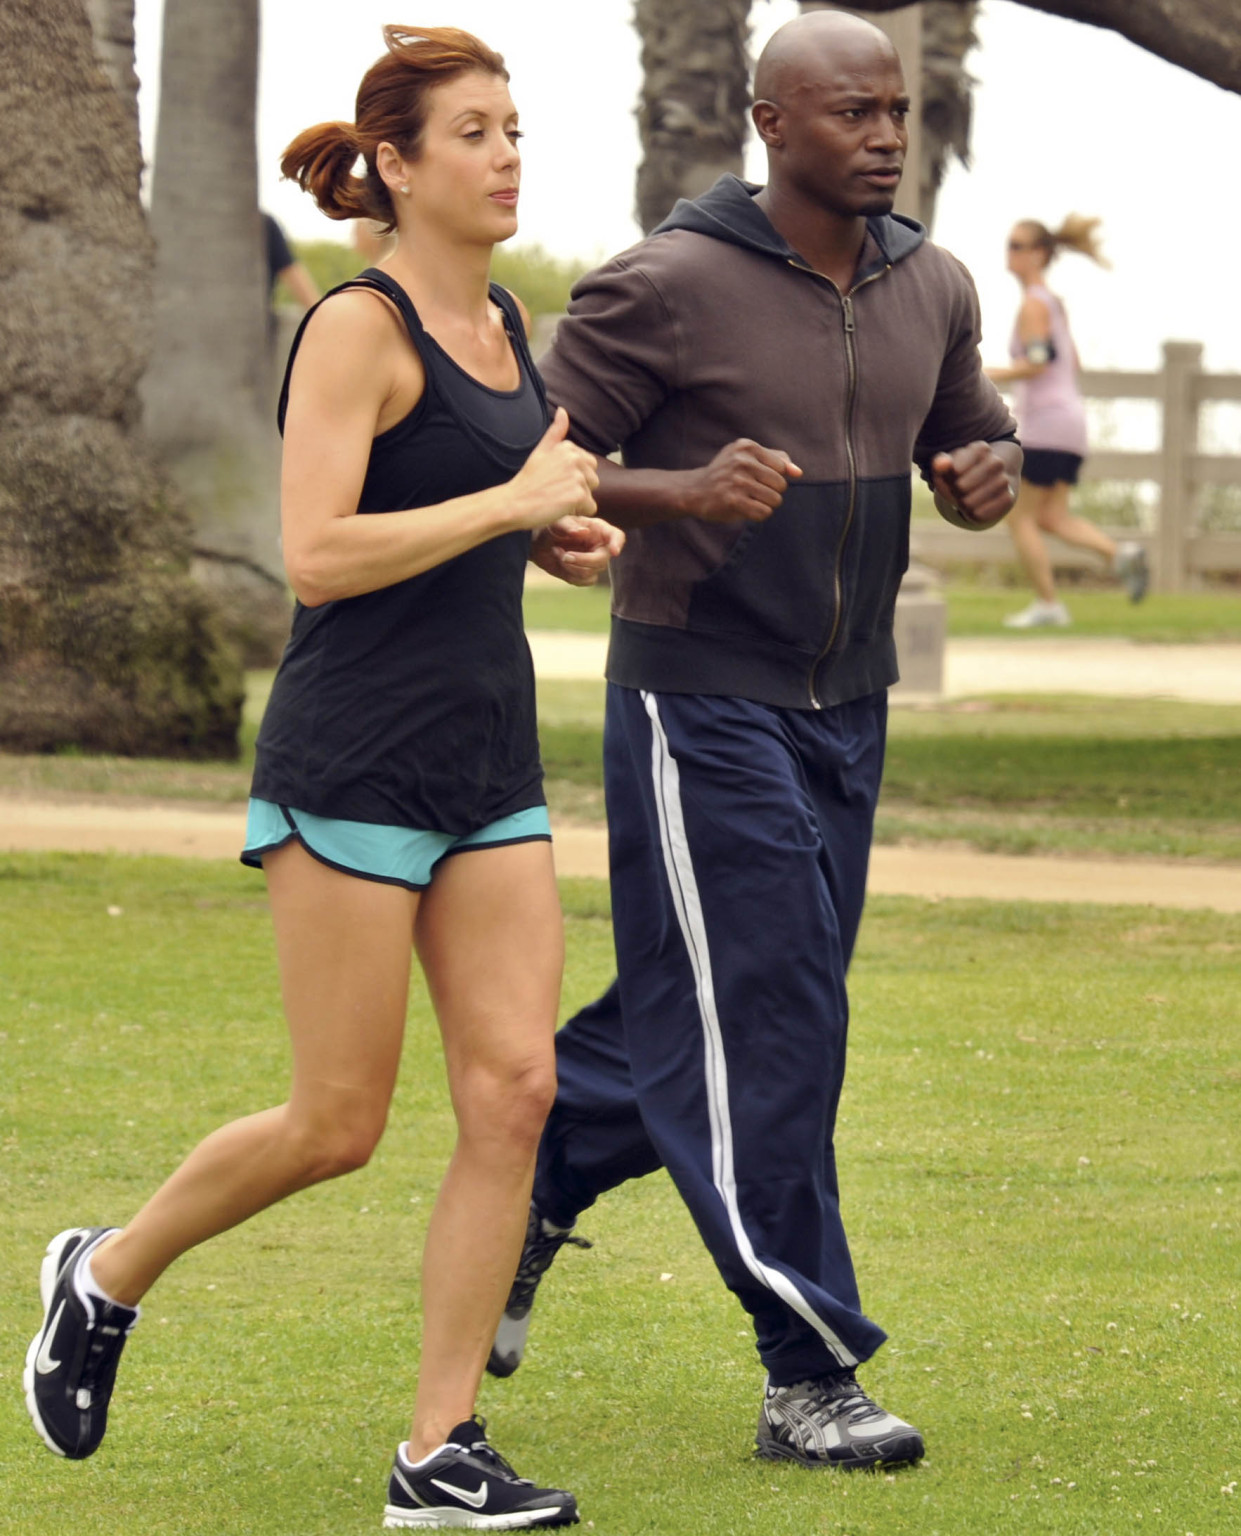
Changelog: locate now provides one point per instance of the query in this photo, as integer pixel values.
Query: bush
(541, 281)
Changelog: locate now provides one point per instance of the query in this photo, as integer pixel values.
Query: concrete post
(920, 626)
(1182, 362)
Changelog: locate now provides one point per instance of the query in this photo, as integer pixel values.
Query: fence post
(1182, 362)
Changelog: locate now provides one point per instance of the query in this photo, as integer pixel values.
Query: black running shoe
(468, 1484)
(830, 1422)
(71, 1363)
(543, 1243)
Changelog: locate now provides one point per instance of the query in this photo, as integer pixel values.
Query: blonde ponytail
(1081, 234)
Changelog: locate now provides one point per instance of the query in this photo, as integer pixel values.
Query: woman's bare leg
(1055, 518)
(345, 947)
(1025, 522)
(490, 938)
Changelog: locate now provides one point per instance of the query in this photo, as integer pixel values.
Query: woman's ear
(391, 167)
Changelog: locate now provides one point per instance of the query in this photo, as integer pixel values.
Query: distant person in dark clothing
(284, 267)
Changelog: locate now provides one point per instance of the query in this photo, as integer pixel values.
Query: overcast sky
(1067, 117)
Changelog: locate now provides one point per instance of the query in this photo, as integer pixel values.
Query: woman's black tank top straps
(413, 706)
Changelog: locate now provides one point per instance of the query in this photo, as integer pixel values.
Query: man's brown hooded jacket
(714, 329)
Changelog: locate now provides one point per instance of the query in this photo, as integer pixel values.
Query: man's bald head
(816, 48)
(831, 107)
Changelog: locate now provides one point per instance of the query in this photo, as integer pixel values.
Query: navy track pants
(739, 837)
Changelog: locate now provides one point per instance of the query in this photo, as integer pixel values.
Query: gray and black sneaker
(469, 1484)
(830, 1422)
(1133, 569)
(71, 1363)
(543, 1243)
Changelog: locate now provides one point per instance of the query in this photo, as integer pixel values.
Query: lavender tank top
(1049, 409)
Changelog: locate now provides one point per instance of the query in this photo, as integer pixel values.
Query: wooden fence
(1179, 552)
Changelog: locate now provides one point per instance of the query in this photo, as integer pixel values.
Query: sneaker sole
(461, 1519)
(53, 1262)
(901, 1451)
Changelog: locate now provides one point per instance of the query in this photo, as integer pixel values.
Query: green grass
(1166, 618)
(75, 775)
(1039, 1150)
(585, 610)
(979, 609)
(1067, 774)
(1013, 774)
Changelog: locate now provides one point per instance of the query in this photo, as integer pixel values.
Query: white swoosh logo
(43, 1362)
(475, 1500)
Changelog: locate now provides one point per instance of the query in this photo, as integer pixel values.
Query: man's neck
(830, 242)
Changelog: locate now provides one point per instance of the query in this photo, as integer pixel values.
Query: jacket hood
(728, 212)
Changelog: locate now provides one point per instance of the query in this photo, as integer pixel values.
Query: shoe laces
(482, 1450)
(537, 1253)
(841, 1396)
(104, 1343)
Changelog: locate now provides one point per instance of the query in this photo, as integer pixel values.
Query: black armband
(1040, 352)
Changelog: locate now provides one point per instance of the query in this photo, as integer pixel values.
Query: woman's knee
(508, 1103)
(330, 1144)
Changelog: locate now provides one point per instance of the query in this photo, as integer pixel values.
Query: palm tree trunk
(207, 394)
(948, 35)
(112, 26)
(106, 642)
(692, 117)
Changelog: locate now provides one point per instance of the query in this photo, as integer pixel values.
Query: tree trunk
(693, 115)
(1201, 36)
(208, 392)
(105, 641)
(112, 26)
(947, 95)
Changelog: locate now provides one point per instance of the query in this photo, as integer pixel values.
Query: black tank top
(413, 706)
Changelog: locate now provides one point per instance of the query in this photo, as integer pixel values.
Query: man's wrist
(685, 496)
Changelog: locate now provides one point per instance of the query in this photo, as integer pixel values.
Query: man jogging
(769, 361)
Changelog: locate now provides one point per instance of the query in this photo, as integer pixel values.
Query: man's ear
(769, 123)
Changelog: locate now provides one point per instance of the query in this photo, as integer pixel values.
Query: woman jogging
(1051, 418)
(397, 796)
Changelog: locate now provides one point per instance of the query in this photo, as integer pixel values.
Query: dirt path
(934, 872)
(1203, 674)
(1059, 664)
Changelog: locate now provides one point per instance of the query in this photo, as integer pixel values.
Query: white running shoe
(1039, 615)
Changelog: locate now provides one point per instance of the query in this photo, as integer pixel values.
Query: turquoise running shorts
(392, 855)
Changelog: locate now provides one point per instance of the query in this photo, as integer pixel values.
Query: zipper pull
(847, 302)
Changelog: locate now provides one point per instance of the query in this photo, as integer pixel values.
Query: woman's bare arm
(1034, 329)
(353, 377)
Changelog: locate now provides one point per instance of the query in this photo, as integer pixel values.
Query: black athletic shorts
(1046, 466)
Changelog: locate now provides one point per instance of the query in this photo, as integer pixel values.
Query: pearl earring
(405, 191)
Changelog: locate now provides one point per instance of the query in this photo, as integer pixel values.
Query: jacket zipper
(846, 305)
